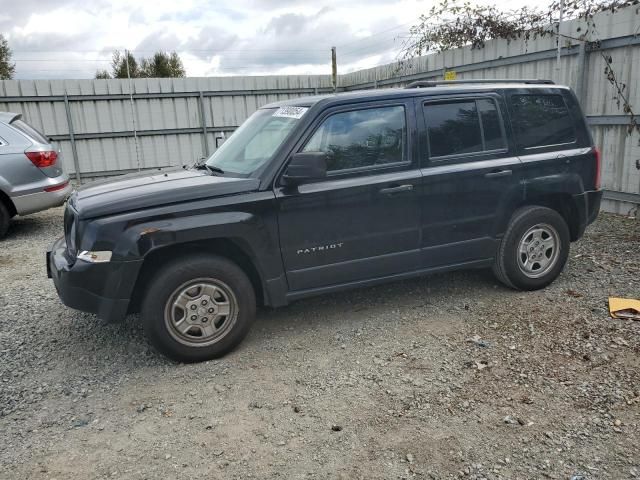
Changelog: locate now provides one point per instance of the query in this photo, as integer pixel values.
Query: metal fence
(108, 127)
(99, 123)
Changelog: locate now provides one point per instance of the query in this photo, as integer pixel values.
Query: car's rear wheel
(5, 218)
(534, 249)
(198, 308)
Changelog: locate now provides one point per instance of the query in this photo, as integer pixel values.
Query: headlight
(95, 257)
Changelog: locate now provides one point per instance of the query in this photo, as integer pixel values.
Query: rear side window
(29, 131)
(463, 127)
(361, 138)
(541, 121)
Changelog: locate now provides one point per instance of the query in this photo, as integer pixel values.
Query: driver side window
(361, 138)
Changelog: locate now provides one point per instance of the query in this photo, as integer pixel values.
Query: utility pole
(334, 69)
(133, 116)
(559, 39)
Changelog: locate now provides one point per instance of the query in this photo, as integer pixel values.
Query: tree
(160, 64)
(124, 65)
(7, 69)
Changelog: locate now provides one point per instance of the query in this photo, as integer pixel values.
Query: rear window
(463, 127)
(29, 131)
(541, 121)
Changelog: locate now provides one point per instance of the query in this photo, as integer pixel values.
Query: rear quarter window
(541, 121)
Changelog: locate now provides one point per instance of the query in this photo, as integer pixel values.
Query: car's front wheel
(534, 249)
(198, 308)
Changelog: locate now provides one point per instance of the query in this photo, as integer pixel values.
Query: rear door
(552, 139)
(362, 220)
(471, 176)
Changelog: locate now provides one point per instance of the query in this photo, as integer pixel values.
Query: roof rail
(434, 83)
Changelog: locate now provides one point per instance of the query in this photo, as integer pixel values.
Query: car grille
(70, 231)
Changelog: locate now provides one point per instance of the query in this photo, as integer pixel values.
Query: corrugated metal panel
(228, 101)
(115, 115)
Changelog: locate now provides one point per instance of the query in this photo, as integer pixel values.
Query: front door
(362, 220)
(471, 177)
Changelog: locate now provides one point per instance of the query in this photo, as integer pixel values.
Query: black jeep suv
(319, 194)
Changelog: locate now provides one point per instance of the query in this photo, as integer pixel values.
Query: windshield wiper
(213, 169)
(201, 165)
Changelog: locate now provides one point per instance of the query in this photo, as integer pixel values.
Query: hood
(144, 190)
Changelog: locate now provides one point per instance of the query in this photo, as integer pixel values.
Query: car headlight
(95, 257)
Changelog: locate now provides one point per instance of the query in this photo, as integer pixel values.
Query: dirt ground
(451, 376)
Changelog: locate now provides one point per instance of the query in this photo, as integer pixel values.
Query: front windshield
(256, 140)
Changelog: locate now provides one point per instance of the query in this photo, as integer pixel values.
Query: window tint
(461, 127)
(453, 128)
(29, 131)
(361, 138)
(541, 120)
(491, 125)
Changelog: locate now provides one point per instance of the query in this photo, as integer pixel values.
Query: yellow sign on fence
(450, 75)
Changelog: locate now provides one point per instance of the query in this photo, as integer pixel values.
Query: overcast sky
(74, 38)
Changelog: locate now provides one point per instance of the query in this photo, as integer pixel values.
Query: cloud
(209, 42)
(289, 39)
(16, 14)
(162, 40)
(74, 38)
(288, 24)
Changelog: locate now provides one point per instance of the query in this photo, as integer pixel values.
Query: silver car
(31, 178)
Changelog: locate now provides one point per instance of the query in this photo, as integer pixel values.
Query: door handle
(398, 189)
(498, 174)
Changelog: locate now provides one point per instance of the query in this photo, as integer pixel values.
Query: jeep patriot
(325, 193)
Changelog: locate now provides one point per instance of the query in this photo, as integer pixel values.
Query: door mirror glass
(305, 167)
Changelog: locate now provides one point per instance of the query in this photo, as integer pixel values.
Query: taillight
(55, 188)
(598, 176)
(42, 159)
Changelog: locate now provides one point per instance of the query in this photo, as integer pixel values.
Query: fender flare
(139, 241)
(536, 189)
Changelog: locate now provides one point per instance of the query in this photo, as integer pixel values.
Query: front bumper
(100, 288)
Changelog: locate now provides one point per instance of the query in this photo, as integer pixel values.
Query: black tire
(509, 266)
(158, 318)
(5, 218)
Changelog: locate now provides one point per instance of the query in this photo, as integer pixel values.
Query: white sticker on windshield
(290, 112)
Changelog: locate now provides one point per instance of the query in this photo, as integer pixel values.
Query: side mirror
(305, 167)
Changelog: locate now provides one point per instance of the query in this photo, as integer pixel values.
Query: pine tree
(7, 69)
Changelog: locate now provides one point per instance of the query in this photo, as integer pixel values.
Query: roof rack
(434, 83)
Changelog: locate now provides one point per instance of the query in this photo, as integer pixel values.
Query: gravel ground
(451, 376)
